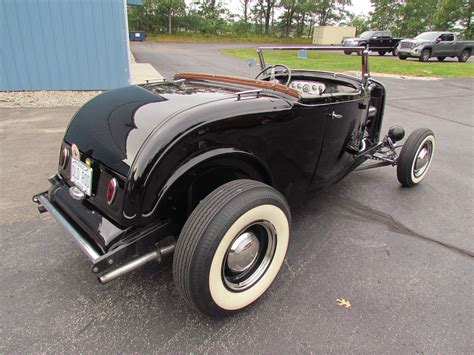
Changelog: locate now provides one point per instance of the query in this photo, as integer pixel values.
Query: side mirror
(438, 40)
(251, 62)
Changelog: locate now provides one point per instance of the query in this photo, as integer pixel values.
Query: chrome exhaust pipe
(135, 264)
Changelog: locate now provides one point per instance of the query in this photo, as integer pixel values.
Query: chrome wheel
(425, 55)
(243, 252)
(249, 255)
(232, 247)
(423, 158)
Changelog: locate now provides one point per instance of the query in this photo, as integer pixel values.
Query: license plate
(81, 176)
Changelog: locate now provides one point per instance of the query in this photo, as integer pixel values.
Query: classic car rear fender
(200, 175)
(196, 138)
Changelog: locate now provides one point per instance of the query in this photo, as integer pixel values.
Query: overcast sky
(358, 6)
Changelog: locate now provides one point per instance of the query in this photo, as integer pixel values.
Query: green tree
(408, 18)
(467, 19)
(245, 9)
(323, 12)
(305, 12)
(214, 16)
(454, 15)
(171, 8)
(257, 15)
(266, 9)
(143, 18)
(418, 16)
(386, 15)
(405, 18)
(329, 11)
(360, 22)
(287, 17)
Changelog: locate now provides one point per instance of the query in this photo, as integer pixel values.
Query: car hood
(112, 127)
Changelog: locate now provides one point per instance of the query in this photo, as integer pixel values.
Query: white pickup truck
(435, 44)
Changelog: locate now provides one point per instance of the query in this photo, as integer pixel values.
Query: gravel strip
(16, 99)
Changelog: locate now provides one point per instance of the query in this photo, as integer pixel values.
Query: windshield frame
(364, 53)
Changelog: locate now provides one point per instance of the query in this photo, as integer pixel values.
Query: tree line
(405, 18)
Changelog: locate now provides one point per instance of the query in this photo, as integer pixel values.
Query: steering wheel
(273, 72)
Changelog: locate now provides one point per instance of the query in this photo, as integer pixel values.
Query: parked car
(375, 41)
(435, 44)
(206, 167)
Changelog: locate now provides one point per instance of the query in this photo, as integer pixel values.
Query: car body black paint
(159, 137)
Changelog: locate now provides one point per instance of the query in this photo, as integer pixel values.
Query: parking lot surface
(402, 257)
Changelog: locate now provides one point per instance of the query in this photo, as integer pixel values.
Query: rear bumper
(80, 218)
(90, 230)
(86, 247)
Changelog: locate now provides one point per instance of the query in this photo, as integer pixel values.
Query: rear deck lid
(112, 127)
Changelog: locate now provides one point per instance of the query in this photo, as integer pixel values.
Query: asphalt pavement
(403, 257)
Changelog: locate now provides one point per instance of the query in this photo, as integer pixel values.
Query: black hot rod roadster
(205, 167)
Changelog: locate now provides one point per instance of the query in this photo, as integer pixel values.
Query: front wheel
(416, 157)
(425, 55)
(232, 247)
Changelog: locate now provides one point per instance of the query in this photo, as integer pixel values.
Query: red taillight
(111, 190)
(63, 157)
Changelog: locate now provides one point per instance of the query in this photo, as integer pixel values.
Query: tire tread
(406, 155)
(196, 224)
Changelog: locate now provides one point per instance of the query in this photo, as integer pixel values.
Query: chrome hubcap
(423, 159)
(243, 252)
(249, 256)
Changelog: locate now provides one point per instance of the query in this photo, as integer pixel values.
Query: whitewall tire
(416, 157)
(232, 247)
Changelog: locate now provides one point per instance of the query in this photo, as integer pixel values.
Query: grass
(198, 37)
(339, 62)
